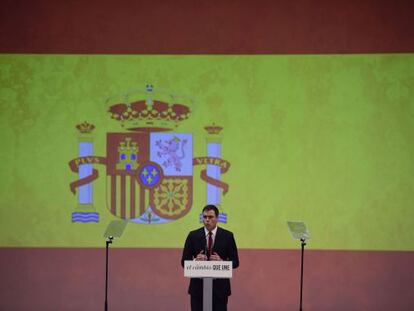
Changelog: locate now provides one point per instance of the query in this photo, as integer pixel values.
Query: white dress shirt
(213, 236)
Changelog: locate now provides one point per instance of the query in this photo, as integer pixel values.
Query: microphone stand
(108, 241)
(301, 272)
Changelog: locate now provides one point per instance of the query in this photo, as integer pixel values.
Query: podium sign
(208, 269)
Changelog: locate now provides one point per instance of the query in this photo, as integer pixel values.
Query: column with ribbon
(84, 211)
(214, 184)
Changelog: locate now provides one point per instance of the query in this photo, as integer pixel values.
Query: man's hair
(211, 207)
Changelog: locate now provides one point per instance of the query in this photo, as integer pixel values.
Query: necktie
(210, 243)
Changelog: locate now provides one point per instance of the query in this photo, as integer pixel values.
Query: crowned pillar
(85, 211)
(214, 171)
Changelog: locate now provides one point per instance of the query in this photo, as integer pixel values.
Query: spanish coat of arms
(149, 166)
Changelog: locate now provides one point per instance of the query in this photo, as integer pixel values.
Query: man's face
(209, 220)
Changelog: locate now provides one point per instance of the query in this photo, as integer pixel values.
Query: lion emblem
(172, 152)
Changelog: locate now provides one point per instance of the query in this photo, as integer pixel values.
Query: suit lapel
(217, 240)
(202, 238)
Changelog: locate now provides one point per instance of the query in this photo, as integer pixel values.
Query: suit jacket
(224, 246)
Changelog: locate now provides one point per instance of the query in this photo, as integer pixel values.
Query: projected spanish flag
(151, 137)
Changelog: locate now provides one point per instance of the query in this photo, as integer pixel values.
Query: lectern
(208, 270)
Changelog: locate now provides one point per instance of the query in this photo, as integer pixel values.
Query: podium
(208, 270)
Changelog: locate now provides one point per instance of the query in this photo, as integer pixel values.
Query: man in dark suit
(210, 243)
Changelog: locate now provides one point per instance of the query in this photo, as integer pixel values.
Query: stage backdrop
(274, 112)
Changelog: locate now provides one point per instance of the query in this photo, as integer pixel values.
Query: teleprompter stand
(114, 230)
(302, 242)
(299, 232)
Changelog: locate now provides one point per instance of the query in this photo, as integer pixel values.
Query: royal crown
(140, 111)
(213, 129)
(85, 127)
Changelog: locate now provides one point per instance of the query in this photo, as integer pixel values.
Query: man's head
(210, 217)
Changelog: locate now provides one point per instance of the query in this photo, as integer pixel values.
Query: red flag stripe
(209, 27)
(113, 194)
(132, 196)
(123, 196)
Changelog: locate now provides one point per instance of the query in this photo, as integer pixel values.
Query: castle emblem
(149, 165)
